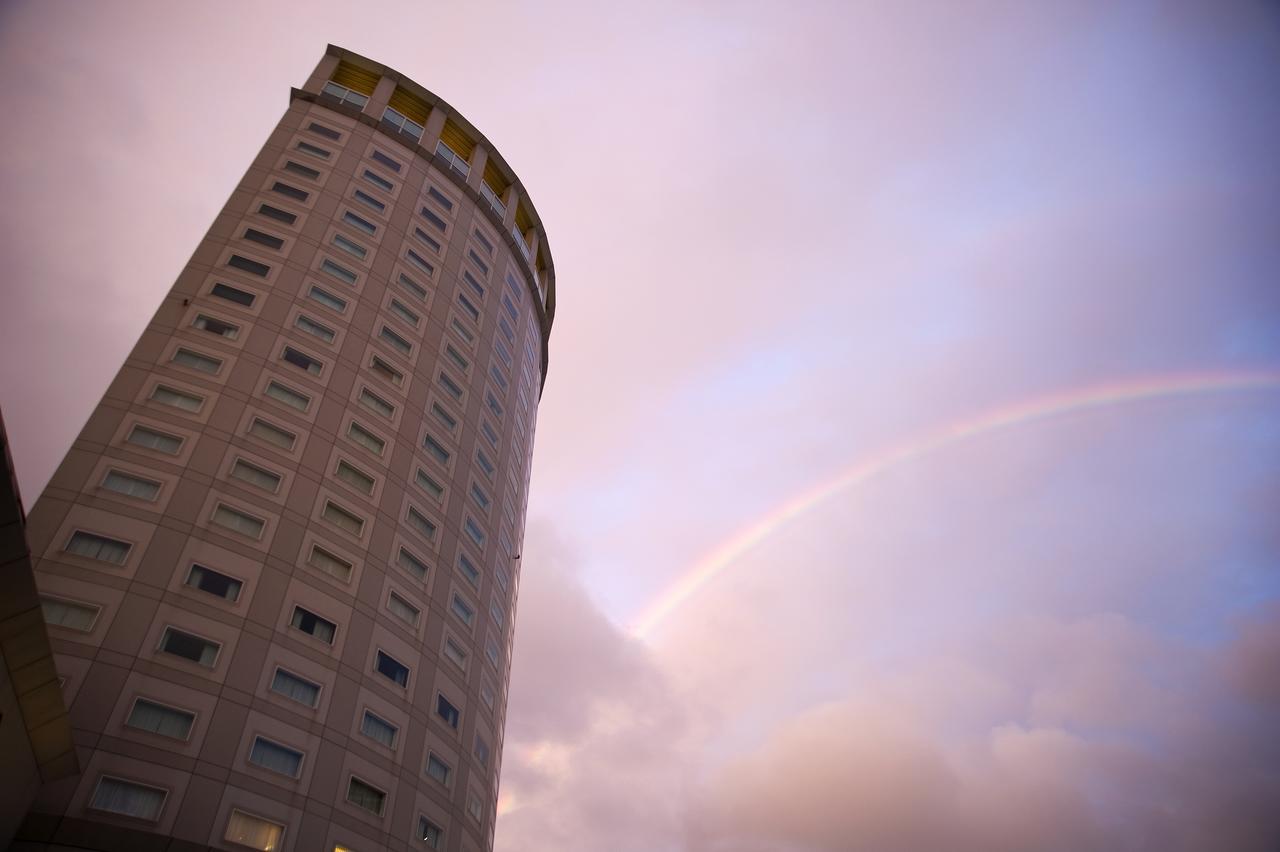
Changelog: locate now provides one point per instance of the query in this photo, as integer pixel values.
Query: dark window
(298, 359)
(263, 239)
(471, 309)
(484, 243)
(208, 580)
(433, 218)
(326, 132)
(475, 285)
(314, 150)
(392, 669)
(251, 266)
(298, 168)
(385, 160)
(369, 201)
(480, 264)
(310, 623)
(231, 294)
(428, 240)
(447, 711)
(215, 326)
(278, 214)
(189, 647)
(290, 191)
(413, 286)
(482, 752)
(359, 222)
(378, 180)
(440, 198)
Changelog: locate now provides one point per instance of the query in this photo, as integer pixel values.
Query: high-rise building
(279, 564)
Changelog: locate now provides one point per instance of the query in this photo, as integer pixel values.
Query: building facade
(279, 564)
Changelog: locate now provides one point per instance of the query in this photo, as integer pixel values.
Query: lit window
(272, 434)
(277, 214)
(310, 326)
(351, 247)
(302, 361)
(179, 643)
(262, 238)
(391, 668)
(153, 440)
(130, 485)
(117, 796)
(294, 687)
(366, 796)
(430, 833)
(403, 610)
(330, 564)
(256, 476)
(72, 616)
(365, 438)
(251, 831)
(427, 484)
(313, 625)
(253, 267)
(438, 769)
(327, 299)
(447, 711)
(160, 719)
(214, 583)
(241, 522)
(376, 728)
(98, 547)
(275, 757)
(216, 326)
(337, 271)
(419, 522)
(342, 519)
(196, 361)
(288, 396)
(412, 564)
(176, 399)
(465, 612)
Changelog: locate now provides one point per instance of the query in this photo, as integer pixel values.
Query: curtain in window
(253, 832)
(122, 797)
(158, 719)
(295, 688)
(275, 757)
(69, 615)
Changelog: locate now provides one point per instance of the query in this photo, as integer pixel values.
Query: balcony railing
(521, 244)
(455, 159)
(492, 197)
(402, 123)
(347, 96)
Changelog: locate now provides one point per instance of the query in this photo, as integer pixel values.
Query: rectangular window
(342, 519)
(130, 485)
(465, 612)
(472, 310)
(196, 361)
(153, 440)
(382, 158)
(447, 711)
(290, 191)
(436, 221)
(385, 370)
(214, 583)
(314, 150)
(117, 796)
(337, 271)
(469, 570)
(440, 198)
(396, 341)
(413, 287)
(489, 435)
(369, 201)
(176, 399)
(350, 246)
(427, 240)
(429, 485)
(288, 396)
(503, 577)
(160, 719)
(189, 647)
(514, 286)
(216, 326)
(253, 267)
(330, 564)
(326, 132)
(378, 180)
(430, 833)
(327, 299)
(357, 478)
(419, 522)
(436, 449)
(476, 286)
(241, 522)
(419, 261)
(446, 419)
(495, 612)
(462, 331)
(480, 498)
(484, 242)
(412, 564)
(277, 214)
(377, 404)
(486, 694)
(253, 832)
(253, 235)
(481, 751)
(511, 309)
(491, 651)
(366, 796)
(299, 169)
(256, 476)
(485, 464)
(365, 438)
(474, 808)
(297, 688)
(480, 264)
(272, 434)
(449, 385)
(398, 308)
(310, 326)
(403, 610)
(68, 614)
(499, 379)
(494, 406)
(457, 358)
(359, 223)
(378, 729)
(456, 655)
(508, 332)
(313, 625)
(391, 668)
(438, 769)
(474, 532)
(302, 361)
(275, 757)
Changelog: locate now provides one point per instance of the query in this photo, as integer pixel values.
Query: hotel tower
(279, 564)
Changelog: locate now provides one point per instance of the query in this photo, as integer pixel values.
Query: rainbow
(922, 444)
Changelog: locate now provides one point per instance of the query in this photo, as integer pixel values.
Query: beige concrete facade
(280, 562)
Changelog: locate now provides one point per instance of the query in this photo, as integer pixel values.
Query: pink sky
(788, 238)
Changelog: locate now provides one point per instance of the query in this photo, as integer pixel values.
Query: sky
(908, 469)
